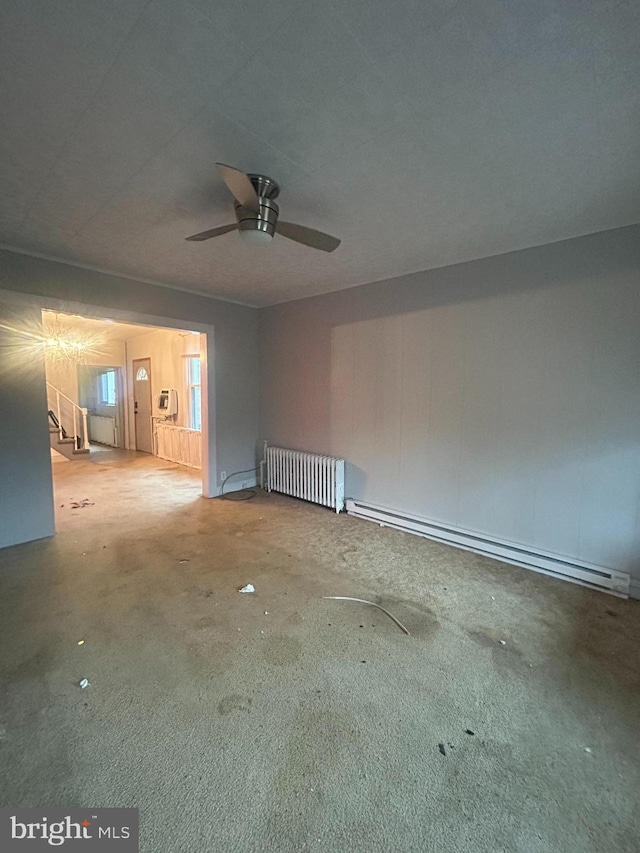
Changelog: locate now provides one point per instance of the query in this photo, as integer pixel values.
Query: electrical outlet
(223, 476)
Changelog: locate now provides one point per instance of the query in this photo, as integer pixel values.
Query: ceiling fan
(257, 214)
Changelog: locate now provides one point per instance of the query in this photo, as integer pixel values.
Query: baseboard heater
(309, 476)
(585, 574)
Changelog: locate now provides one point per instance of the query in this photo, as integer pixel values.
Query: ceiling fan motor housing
(265, 187)
(248, 220)
(265, 220)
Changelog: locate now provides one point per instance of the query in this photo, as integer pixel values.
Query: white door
(142, 404)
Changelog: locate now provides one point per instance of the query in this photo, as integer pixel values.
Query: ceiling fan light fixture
(256, 237)
(257, 214)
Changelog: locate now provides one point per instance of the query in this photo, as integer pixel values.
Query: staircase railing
(60, 403)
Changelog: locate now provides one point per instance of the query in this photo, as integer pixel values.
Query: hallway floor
(280, 721)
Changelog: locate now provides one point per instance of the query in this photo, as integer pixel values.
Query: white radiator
(179, 444)
(102, 429)
(309, 476)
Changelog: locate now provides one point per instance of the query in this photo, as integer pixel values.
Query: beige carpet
(314, 725)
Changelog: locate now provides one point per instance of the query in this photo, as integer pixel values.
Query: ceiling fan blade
(241, 187)
(214, 232)
(308, 236)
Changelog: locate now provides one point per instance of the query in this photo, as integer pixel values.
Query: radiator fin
(102, 430)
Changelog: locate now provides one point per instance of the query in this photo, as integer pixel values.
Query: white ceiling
(422, 134)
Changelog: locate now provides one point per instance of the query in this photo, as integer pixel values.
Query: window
(142, 374)
(193, 391)
(107, 388)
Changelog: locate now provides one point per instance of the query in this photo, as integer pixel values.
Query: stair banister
(85, 430)
(76, 408)
(59, 415)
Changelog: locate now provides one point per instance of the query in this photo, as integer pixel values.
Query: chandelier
(62, 344)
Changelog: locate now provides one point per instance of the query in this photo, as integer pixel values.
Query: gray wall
(26, 496)
(500, 396)
(234, 349)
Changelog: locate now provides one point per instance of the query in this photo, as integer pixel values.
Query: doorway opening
(120, 391)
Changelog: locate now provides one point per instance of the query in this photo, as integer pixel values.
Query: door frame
(133, 389)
